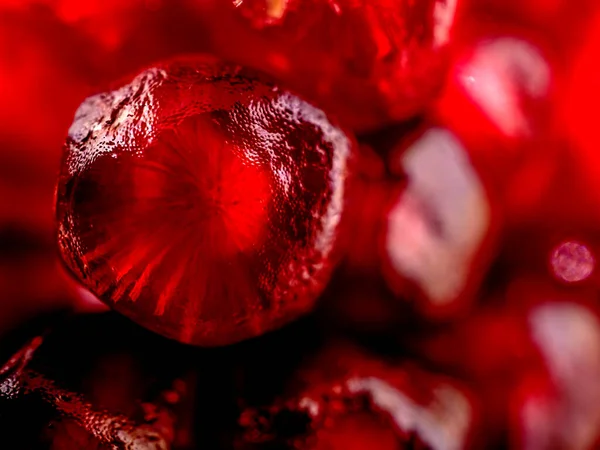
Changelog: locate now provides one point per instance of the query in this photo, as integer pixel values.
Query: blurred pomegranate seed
(343, 385)
(500, 100)
(440, 228)
(563, 411)
(369, 62)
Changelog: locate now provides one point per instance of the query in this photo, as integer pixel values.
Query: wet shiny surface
(201, 201)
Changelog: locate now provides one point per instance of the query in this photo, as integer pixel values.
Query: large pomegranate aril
(202, 202)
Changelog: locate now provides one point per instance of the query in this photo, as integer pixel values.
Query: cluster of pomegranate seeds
(377, 222)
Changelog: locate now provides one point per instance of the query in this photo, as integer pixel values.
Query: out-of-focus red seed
(500, 100)
(561, 410)
(439, 233)
(342, 383)
(370, 62)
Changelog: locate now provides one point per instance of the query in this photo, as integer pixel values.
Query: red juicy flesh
(370, 62)
(202, 202)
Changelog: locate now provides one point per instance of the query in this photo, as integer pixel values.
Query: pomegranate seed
(343, 383)
(202, 202)
(563, 411)
(499, 101)
(504, 77)
(438, 226)
(370, 62)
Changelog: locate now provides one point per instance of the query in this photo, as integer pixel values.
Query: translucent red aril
(499, 101)
(90, 393)
(202, 201)
(502, 81)
(369, 61)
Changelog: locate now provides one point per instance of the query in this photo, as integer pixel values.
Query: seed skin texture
(202, 201)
